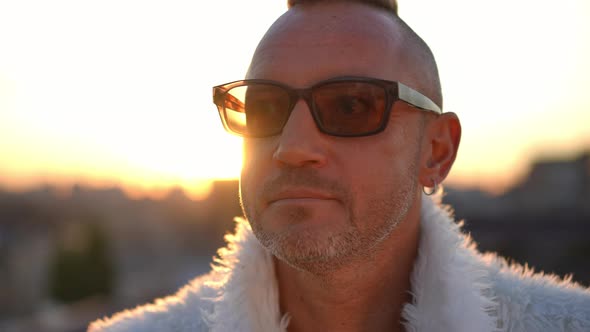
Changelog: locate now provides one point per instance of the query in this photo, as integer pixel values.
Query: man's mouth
(299, 195)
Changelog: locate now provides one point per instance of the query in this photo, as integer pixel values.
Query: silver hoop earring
(431, 192)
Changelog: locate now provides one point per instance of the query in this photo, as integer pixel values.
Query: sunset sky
(119, 92)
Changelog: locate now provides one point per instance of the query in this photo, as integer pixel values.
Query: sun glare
(125, 103)
(119, 92)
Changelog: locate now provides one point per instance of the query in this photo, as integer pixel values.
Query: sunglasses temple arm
(234, 103)
(417, 99)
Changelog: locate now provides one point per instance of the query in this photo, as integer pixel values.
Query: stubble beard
(306, 251)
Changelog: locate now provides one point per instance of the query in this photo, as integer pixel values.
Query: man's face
(318, 201)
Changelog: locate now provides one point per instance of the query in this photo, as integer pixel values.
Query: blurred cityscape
(67, 259)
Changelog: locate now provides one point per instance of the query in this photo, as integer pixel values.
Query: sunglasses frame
(394, 91)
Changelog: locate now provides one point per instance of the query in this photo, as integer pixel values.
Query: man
(343, 131)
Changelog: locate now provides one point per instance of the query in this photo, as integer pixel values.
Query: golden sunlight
(129, 102)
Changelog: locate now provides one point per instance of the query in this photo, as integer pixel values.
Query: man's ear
(440, 143)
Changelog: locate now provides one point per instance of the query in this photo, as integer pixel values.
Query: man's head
(319, 201)
(388, 5)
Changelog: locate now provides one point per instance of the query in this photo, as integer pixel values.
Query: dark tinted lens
(257, 109)
(349, 108)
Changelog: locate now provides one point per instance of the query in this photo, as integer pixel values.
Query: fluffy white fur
(454, 287)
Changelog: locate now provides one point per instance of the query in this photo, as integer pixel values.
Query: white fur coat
(454, 287)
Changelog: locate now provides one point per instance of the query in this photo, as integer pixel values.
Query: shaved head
(423, 62)
(413, 55)
(390, 5)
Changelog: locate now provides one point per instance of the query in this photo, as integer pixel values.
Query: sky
(119, 92)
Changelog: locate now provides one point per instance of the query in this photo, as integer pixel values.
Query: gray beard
(321, 256)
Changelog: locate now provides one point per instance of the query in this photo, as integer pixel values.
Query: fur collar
(248, 296)
(450, 286)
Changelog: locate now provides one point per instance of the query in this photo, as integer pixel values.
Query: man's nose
(301, 143)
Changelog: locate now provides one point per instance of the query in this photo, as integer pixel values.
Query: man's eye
(353, 105)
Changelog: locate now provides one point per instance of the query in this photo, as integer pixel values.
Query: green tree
(82, 271)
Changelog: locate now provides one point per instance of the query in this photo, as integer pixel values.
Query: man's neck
(366, 295)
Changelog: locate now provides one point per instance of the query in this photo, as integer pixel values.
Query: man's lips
(301, 194)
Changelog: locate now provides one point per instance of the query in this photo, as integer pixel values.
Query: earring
(431, 192)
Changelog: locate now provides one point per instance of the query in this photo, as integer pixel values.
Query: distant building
(554, 185)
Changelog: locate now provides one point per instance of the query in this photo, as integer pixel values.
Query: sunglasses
(343, 106)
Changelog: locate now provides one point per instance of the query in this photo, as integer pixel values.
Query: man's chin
(310, 251)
